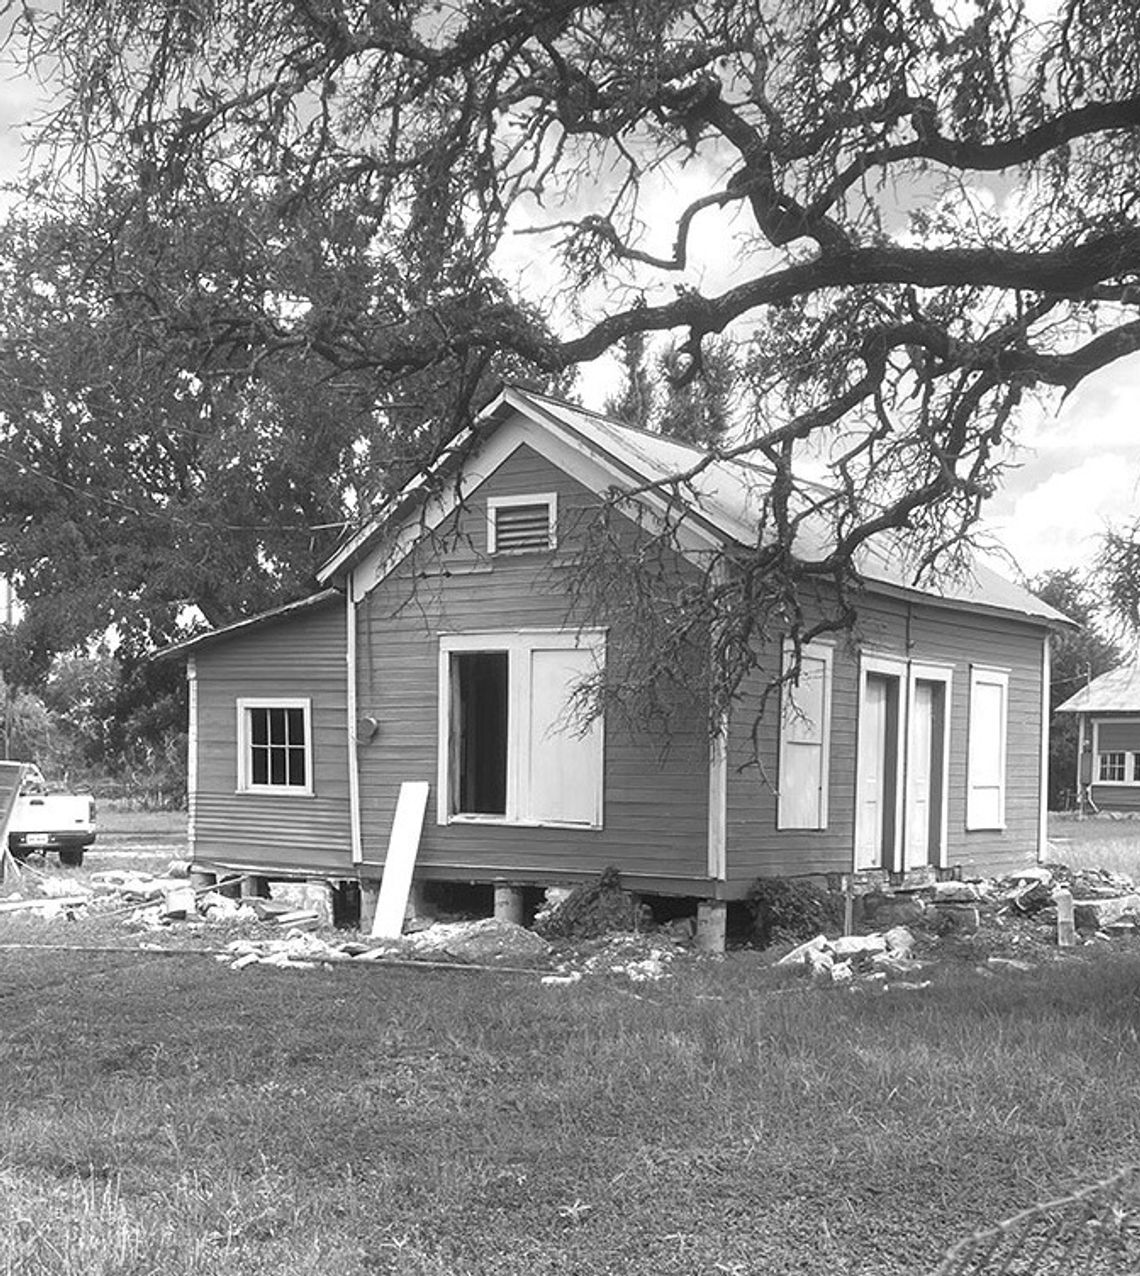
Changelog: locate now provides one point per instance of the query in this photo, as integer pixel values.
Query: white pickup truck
(44, 821)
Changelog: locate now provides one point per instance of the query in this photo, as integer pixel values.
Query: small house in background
(445, 648)
(1107, 764)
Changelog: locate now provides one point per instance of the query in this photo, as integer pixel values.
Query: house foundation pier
(711, 919)
(201, 880)
(254, 887)
(510, 903)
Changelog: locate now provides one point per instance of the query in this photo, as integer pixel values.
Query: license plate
(37, 839)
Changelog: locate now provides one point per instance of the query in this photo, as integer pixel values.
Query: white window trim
(1129, 757)
(817, 651)
(245, 783)
(517, 644)
(988, 674)
(496, 503)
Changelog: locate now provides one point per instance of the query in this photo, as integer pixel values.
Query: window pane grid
(278, 753)
(1112, 767)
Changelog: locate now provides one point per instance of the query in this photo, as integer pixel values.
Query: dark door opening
(479, 725)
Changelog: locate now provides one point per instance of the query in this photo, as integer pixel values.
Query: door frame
(889, 667)
(944, 674)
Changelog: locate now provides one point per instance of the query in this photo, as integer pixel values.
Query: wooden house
(1108, 739)
(443, 650)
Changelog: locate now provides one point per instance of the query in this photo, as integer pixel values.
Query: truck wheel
(73, 858)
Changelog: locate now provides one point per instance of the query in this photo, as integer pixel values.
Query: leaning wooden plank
(403, 847)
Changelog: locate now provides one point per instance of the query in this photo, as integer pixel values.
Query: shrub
(792, 909)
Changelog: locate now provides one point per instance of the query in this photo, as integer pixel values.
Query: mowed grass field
(163, 1114)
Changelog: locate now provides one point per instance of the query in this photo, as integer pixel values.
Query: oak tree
(908, 216)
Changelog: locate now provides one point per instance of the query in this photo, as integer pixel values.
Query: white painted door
(870, 815)
(920, 776)
(565, 761)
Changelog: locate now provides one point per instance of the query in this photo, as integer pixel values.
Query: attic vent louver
(515, 524)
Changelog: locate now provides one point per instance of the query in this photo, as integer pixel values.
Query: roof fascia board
(564, 449)
(240, 627)
(916, 595)
(344, 558)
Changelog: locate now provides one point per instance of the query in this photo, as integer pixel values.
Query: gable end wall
(655, 820)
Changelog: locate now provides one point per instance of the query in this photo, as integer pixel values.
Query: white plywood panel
(403, 847)
(565, 759)
(920, 775)
(872, 775)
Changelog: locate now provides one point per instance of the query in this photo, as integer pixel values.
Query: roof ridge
(609, 420)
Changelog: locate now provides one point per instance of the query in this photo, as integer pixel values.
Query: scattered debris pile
(643, 958)
(1019, 909)
(589, 911)
(599, 929)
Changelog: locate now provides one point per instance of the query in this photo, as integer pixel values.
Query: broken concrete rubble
(487, 941)
(836, 960)
(1106, 912)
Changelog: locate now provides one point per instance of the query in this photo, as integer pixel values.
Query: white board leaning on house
(400, 862)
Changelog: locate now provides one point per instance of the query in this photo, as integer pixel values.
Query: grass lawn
(163, 1114)
(1096, 842)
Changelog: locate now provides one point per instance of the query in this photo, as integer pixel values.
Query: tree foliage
(909, 215)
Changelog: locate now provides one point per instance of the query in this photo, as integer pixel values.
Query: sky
(1075, 471)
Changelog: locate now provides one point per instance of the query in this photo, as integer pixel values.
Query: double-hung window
(517, 745)
(986, 758)
(275, 750)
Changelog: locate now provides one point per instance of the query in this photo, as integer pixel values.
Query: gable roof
(723, 497)
(1117, 691)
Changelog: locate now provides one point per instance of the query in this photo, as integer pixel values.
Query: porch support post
(711, 915)
(509, 906)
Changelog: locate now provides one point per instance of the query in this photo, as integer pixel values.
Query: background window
(1112, 769)
(274, 745)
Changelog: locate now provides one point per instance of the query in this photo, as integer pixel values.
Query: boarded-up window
(985, 796)
(519, 523)
(564, 754)
(515, 745)
(805, 740)
(274, 746)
